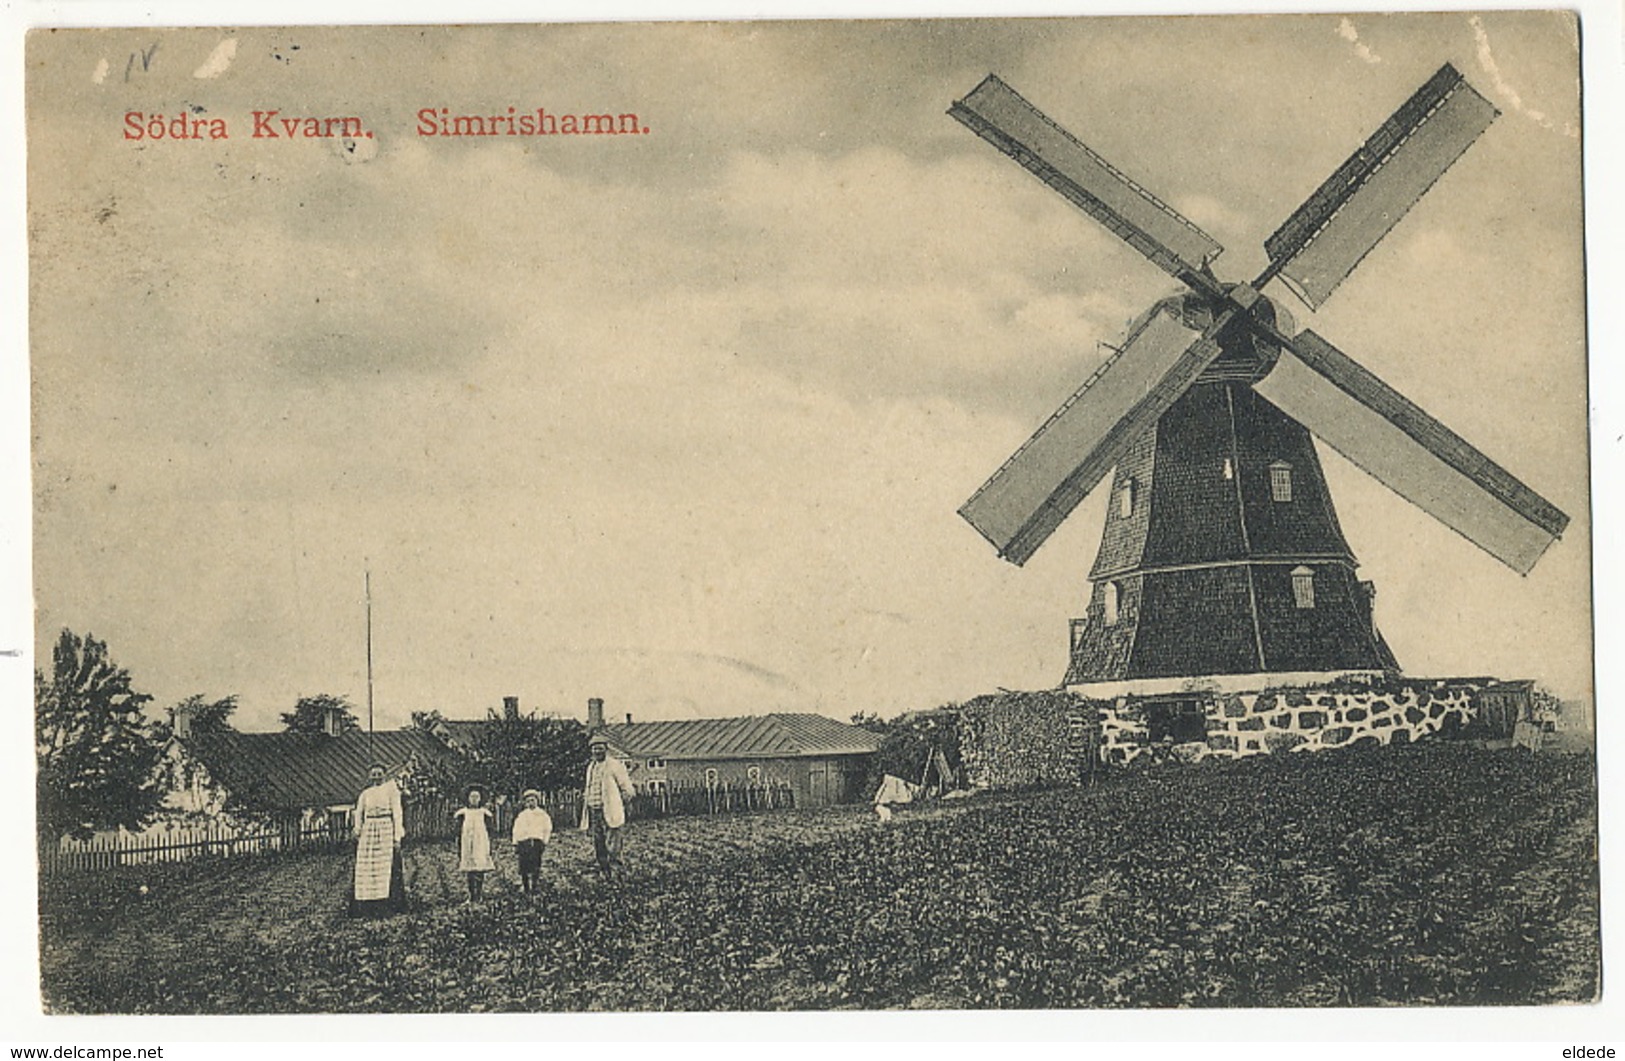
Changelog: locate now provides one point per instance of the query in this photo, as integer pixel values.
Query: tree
(309, 715)
(530, 752)
(511, 754)
(427, 720)
(208, 716)
(98, 766)
(908, 742)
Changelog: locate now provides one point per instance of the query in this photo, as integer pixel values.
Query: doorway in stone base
(1179, 721)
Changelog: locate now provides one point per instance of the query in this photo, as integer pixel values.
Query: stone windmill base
(1196, 725)
(1064, 736)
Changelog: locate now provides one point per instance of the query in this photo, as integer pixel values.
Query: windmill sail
(1411, 453)
(998, 114)
(1037, 488)
(1321, 243)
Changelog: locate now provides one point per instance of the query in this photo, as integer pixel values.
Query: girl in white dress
(476, 844)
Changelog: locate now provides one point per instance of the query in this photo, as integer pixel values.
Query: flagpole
(367, 572)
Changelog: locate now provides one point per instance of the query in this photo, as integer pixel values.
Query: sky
(683, 419)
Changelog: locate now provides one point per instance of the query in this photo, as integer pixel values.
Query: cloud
(1346, 30)
(874, 274)
(1215, 218)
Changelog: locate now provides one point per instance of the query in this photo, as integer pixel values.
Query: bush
(908, 745)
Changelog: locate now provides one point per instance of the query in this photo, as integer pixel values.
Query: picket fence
(178, 843)
(425, 819)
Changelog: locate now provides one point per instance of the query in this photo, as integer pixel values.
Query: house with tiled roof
(283, 774)
(821, 760)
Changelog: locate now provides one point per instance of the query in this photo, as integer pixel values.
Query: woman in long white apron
(379, 827)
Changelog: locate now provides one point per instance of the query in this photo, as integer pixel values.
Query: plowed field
(1442, 874)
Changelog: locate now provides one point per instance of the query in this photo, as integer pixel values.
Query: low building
(819, 759)
(306, 775)
(1502, 705)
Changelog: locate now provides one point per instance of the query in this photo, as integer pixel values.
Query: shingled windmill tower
(1222, 553)
(1222, 556)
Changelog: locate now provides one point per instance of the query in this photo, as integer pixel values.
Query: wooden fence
(426, 819)
(221, 838)
(435, 819)
(710, 799)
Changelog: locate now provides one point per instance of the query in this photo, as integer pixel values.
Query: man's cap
(598, 738)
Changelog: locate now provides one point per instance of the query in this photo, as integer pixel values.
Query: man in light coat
(603, 806)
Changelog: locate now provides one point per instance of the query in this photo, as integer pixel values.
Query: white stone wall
(1309, 719)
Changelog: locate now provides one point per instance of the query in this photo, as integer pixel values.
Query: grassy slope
(1436, 874)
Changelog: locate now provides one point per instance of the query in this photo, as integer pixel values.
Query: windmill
(1222, 553)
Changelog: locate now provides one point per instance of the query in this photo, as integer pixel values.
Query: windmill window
(1109, 603)
(1281, 481)
(657, 764)
(1303, 586)
(1229, 470)
(1125, 498)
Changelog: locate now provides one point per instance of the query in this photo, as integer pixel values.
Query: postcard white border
(1496, 1032)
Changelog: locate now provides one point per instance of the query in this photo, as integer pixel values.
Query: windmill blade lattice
(1314, 251)
(1039, 486)
(1410, 452)
(998, 114)
(1316, 248)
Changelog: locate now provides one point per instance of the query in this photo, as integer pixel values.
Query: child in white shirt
(532, 828)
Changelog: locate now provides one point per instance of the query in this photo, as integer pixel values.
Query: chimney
(595, 714)
(510, 707)
(1370, 589)
(629, 718)
(330, 720)
(180, 720)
